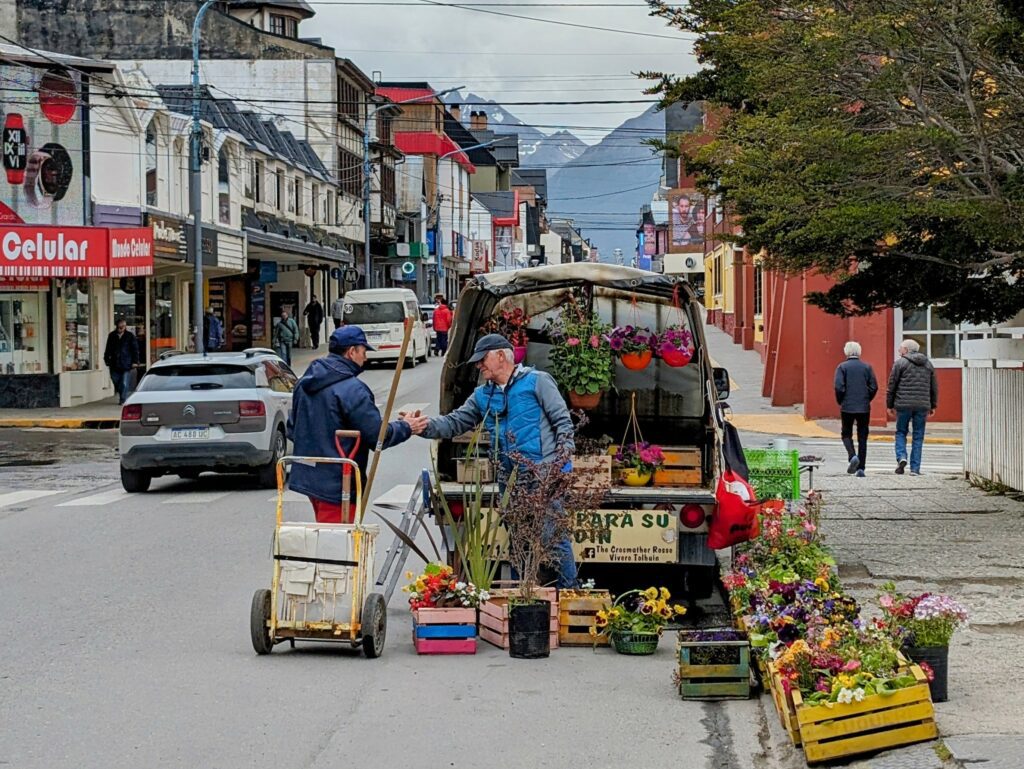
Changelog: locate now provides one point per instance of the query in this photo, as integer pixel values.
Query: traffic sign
(335, 273)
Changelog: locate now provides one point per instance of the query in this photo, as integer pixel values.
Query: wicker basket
(635, 643)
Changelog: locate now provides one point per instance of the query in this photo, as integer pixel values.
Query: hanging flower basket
(637, 361)
(584, 401)
(675, 346)
(676, 358)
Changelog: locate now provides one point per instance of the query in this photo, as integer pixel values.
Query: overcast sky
(512, 60)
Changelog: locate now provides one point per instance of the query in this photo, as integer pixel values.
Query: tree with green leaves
(879, 142)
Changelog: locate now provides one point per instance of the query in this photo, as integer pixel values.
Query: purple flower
(616, 343)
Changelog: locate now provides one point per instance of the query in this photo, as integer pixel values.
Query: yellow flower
(822, 583)
(593, 632)
(650, 593)
(665, 595)
(409, 575)
(679, 609)
(665, 612)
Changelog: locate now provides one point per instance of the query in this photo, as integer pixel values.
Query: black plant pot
(529, 628)
(937, 658)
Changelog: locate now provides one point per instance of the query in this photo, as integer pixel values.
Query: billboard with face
(686, 221)
(42, 129)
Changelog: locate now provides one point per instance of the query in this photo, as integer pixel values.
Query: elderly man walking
(855, 387)
(526, 416)
(912, 397)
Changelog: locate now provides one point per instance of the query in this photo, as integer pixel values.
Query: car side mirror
(721, 377)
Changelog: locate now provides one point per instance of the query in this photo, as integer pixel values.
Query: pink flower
(572, 341)
(886, 601)
(595, 342)
(852, 665)
(809, 527)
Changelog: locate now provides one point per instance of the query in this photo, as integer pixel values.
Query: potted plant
(637, 462)
(923, 625)
(512, 325)
(674, 346)
(636, 620)
(580, 359)
(633, 345)
(444, 611)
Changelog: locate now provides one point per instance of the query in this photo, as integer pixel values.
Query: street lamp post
(195, 187)
(439, 239)
(371, 113)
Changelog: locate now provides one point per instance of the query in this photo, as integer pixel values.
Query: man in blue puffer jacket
(526, 407)
(330, 397)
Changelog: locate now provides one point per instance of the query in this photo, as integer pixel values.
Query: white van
(381, 313)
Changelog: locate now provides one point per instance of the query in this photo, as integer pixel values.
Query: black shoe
(901, 466)
(860, 474)
(854, 465)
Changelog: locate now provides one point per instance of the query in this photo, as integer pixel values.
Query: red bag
(735, 518)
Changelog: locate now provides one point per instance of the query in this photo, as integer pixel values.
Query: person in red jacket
(442, 321)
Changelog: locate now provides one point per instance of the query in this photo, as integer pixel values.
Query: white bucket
(780, 444)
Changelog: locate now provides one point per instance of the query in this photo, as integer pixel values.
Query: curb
(89, 423)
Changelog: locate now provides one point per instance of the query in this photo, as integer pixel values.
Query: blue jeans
(561, 550)
(285, 351)
(441, 342)
(122, 381)
(905, 418)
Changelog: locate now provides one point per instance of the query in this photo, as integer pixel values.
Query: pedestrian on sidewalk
(314, 313)
(337, 311)
(286, 335)
(855, 387)
(213, 331)
(329, 397)
(442, 324)
(912, 396)
(121, 355)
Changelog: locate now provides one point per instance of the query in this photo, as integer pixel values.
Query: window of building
(716, 270)
(279, 183)
(277, 24)
(294, 189)
(316, 204)
(387, 183)
(250, 172)
(758, 288)
(384, 128)
(223, 187)
(291, 28)
(331, 208)
(939, 338)
(257, 182)
(350, 167)
(348, 99)
(151, 155)
(78, 326)
(162, 336)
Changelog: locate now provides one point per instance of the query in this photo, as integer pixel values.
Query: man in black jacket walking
(121, 355)
(856, 387)
(314, 313)
(912, 396)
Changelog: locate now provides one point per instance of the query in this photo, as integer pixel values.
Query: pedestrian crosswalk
(936, 459)
(21, 496)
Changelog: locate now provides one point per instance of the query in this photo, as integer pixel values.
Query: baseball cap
(487, 343)
(347, 336)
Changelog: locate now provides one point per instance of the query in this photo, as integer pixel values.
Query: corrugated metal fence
(994, 424)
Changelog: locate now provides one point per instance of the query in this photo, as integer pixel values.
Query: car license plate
(190, 433)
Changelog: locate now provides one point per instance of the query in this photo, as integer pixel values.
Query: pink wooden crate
(500, 639)
(444, 616)
(445, 645)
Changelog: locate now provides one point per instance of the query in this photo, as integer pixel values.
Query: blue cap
(347, 336)
(486, 344)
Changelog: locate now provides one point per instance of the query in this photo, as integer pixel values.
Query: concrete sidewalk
(106, 414)
(754, 413)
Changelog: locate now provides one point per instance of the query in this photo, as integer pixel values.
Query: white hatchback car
(224, 412)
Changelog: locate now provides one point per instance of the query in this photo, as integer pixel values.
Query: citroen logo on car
(189, 411)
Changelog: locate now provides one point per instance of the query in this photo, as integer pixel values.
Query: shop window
(223, 188)
(938, 337)
(78, 326)
(130, 304)
(162, 334)
(151, 157)
(23, 333)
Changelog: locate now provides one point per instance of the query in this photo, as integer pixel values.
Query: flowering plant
(437, 587)
(643, 612)
(643, 456)
(673, 339)
(580, 359)
(511, 324)
(928, 619)
(630, 339)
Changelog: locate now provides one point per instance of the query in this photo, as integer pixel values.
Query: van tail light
(131, 413)
(252, 409)
(692, 516)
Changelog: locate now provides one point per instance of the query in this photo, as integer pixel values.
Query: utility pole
(195, 185)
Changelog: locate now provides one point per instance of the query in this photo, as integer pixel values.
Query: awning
(75, 252)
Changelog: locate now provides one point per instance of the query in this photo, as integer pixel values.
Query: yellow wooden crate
(783, 703)
(577, 613)
(879, 722)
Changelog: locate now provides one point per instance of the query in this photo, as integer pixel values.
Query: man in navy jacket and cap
(330, 397)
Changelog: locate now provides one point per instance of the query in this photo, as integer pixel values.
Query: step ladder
(418, 507)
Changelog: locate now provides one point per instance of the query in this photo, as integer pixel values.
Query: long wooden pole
(399, 365)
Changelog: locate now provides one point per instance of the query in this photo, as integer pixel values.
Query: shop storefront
(59, 289)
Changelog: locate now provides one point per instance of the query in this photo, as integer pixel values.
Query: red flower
(927, 670)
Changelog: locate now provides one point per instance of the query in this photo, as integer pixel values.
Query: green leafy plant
(581, 359)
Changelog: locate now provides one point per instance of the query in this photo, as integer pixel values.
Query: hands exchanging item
(416, 421)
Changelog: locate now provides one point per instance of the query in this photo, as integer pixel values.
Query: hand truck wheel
(374, 625)
(258, 619)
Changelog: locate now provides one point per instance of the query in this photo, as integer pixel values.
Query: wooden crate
(598, 467)
(493, 626)
(473, 470)
(577, 612)
(877, 723)
(682, 467)
(444, 631)
(713, 681)
(783, 703)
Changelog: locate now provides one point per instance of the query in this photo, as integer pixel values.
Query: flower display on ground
(437, 588)
(926, 619)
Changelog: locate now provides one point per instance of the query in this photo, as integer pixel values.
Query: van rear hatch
(381, 321)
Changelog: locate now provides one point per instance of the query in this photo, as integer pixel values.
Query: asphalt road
(126, 644)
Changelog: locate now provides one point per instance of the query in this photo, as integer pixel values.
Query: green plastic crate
(774, 474)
